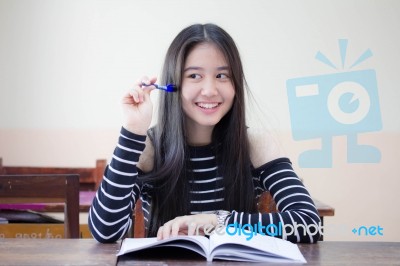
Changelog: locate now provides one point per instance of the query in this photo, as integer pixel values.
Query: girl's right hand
(137, 106)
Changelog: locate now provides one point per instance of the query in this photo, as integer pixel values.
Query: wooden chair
(89, 177)
(265, 204)
(17, 189)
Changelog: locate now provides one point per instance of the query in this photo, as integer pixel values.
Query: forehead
(206, 53)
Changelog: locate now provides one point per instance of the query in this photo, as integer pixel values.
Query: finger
(138, 89)
(175, 228)
(144, 81)
(183, 232)
(146, 93)
(166, 230)
(153, 80)
(137, 95)
(146, 85)
(159, 233)
(192, 226)
(141, 95)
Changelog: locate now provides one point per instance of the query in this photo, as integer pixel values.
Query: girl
(200, 165)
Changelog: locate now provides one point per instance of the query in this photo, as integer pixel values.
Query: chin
(209, 123)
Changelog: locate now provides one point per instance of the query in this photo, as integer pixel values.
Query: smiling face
(207, 91)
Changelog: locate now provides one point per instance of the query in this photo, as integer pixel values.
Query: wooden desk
(352, 253)
(89, 252)
(324, 209)
(19, 251)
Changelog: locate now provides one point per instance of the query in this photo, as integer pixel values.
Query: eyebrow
(200, 68)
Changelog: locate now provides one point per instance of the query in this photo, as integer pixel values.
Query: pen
(167, 88)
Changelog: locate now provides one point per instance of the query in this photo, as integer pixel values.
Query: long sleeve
(110, 215)
(297, 219)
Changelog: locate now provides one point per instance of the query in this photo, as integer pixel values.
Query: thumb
(149, 88)
(146, 93)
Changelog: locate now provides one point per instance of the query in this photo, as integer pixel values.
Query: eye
(194, 76)
(222, 76)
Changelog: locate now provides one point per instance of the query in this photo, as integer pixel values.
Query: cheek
(186, 101)
(185, 97)
(229, 95)
(187, 94)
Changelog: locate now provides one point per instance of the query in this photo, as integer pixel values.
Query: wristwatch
(222, 216)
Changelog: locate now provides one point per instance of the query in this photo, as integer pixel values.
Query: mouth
(208, 105)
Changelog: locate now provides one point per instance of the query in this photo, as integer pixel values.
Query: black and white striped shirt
(110, 215)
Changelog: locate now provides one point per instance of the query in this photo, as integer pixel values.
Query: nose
(209, 88)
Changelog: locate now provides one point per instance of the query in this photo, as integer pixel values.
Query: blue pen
(167, 88)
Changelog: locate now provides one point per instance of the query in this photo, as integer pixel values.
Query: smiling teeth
(207, 105)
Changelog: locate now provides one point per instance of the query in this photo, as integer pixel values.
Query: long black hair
(170, 197)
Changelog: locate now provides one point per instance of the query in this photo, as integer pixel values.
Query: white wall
(65, 64)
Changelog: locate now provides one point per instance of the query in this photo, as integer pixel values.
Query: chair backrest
(266, 204)
(89, 177)
(17, 189)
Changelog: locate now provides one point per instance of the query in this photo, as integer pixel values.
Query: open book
(260, 248)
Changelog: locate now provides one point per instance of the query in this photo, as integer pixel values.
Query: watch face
(222, 212)
(222, 216)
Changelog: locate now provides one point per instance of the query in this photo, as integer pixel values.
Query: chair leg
(71, 219)
(139, 230)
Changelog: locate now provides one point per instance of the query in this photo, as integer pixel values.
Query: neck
(199, 136)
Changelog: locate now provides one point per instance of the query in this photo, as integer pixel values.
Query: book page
(198, 244)
(133, 244)
(258, 248)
